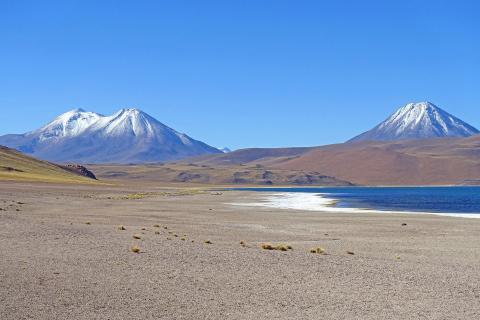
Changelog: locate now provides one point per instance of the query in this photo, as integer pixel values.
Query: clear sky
(239, 73)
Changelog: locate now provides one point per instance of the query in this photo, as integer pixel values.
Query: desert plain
(66, 253)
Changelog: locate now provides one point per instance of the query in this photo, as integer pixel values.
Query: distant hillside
(15, 165)
(218, 175)
(251, 155)
(454, 161)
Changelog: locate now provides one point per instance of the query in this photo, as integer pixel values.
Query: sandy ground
(53, 265)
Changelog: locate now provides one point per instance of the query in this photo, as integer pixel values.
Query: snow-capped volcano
(420, 120)
(129, 135)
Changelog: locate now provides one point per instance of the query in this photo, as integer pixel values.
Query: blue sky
(239, 73)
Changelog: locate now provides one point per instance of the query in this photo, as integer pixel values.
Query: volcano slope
(441, 161)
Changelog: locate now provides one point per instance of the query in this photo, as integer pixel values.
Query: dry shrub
(279, 247)
(318, 250)
(136, 249)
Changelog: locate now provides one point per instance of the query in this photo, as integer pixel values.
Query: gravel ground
(62, 256)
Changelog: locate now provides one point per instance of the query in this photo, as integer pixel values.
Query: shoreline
(322, 203)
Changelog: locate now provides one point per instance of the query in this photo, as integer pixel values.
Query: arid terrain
(213, 174)
(167, 241)
(240, 160)
(447, 161)
(67, 254)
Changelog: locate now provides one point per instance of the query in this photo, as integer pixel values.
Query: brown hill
(420, 162)
(250, 155)
(219, 175)
(16, 166)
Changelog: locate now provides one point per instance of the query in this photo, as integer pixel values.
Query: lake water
(456, 201)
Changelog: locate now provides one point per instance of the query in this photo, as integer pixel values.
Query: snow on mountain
(420, 120)
(225, 150)
(69, 124)
(129, 135)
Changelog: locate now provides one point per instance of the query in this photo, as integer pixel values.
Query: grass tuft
(121, 227)
(207, 242)
(135, 196)
(88, 222)
(350, 252)
(279, 247)
(135, 236)
(136, 249)
(318, 250)
(156, 226)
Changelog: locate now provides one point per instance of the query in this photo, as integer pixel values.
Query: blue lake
(417, 199)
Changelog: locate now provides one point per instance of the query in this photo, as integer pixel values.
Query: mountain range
(419, 144)
(128, 136)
